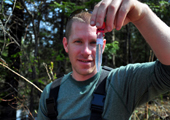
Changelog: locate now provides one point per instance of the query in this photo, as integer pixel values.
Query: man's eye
(93, 42)
(78, 41)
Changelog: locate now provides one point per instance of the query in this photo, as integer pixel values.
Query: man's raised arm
(121, 12)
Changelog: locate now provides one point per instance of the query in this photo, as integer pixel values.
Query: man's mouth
(86, 61)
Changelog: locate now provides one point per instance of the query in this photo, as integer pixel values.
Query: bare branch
(11, 13)
(21, 76)
(9, 85)
(3, 27)
(10, 37)
(5, 32)
(45, 65)
(27, 9)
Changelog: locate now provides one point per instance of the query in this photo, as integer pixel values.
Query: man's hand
(117, 12)
(121, 12)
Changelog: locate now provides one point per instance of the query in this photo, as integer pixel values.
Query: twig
(3, 61)
(5, 32)
(9, 43)
(3, 27)
(7, 100)
(136, 115)
(10, 86)
(21, 76)
(30, 112)
(157, 114)
(8, 94)
(10, 14)
(146, 111)
(27, 9)
(45, 65)
(157, 104)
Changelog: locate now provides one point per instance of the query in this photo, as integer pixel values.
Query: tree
(11, 81)
(42, 57)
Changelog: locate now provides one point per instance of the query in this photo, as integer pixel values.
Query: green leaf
(40, 81)
(111, 49)
(36, 61)
(17, 6)
(60, 57)
(30, 70)
(52, 65)
(57, 4)
(36, 111)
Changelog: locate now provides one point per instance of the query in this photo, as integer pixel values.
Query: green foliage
(50, 19)
(18, 6)
(111, 48)
(51, 68)
(160, 7)
(68, 7)
(60, 57)
(91, 2)
(41, 81)
(16, 55)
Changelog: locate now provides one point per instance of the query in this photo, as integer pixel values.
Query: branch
(34, 28)
(21, 76)
(9, 85)
(27, 9)
(45, 65)
(5, 26)
(10, 14)
(5, 32)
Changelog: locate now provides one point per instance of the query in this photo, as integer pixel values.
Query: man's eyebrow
(78, 39)
(94, 39)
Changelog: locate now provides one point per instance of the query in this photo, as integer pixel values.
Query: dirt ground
(154, 110)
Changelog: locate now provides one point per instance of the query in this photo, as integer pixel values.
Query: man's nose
(86, 50)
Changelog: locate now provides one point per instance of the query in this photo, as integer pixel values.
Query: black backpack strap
(97, 104)
(51, 101)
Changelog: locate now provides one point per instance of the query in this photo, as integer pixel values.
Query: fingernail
(118, 28)
(97, 24)
(92, 22)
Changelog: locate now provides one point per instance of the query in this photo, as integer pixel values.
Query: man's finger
(111, 14)
(99, 13)
(94, 14)
(122, 14)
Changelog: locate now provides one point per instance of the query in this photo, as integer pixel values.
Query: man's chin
(88, 71)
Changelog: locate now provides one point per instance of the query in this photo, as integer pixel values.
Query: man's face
(81, 48)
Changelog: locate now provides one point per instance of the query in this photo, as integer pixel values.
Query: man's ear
(104, 44)
(65, 44)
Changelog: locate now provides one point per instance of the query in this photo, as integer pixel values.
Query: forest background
(32, 55)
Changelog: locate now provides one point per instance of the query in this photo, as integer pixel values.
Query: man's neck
(79, 77)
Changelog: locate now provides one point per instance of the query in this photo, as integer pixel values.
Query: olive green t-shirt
(127, 87)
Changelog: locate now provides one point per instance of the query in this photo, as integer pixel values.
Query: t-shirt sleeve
(151, 81)
(136, 84)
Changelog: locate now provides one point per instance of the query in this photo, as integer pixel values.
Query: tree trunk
(113, 39)
(128, 45)
(8, 111)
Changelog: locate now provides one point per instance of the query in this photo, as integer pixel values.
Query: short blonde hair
(83, 17)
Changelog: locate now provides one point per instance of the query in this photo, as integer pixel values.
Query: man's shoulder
(136, 65)
(47, 88)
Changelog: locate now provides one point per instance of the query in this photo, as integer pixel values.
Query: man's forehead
(83, 29)
(82, 25)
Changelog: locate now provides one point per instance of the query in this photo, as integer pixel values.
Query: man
(127, 87)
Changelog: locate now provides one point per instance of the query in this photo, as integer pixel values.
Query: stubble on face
(83, 63)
